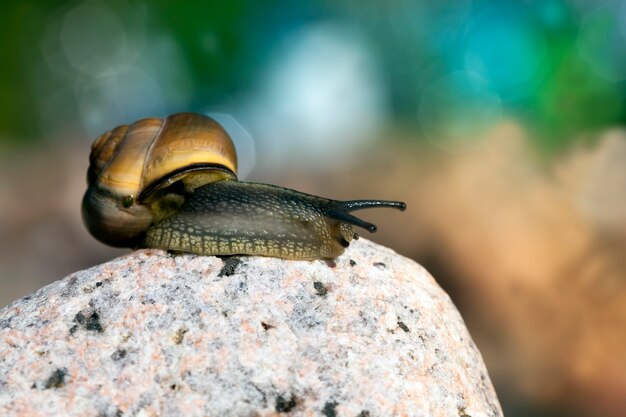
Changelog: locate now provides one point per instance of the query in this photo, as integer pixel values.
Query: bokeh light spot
(505, 49)
(244, 142)
(118, 98)
(93, 39)
(457, 108)
(601, 41)
(322, 97)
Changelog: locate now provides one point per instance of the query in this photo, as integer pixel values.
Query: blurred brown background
(500, 123)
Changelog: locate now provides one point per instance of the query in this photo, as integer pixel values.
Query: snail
(171, 184)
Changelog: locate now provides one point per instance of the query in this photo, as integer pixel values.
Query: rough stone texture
(153, 334)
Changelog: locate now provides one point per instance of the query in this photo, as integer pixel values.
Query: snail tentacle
(352, 205)
(348, 218)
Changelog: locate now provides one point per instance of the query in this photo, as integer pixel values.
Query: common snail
(171, 184)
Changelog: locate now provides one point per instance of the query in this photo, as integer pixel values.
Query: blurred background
(500, 123)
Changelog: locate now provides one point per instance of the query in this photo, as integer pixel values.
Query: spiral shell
(132, 166)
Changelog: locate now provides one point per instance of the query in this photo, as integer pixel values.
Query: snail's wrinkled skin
(232, 217)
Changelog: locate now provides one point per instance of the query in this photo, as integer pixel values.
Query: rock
(150, 334)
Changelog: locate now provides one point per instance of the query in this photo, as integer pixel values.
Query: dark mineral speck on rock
(320, 288)
(284, 405)
(230, 266)
(403, 326)
(330, 409)
(266, 326)
(119, 354)
(90, 320)
(57, 379)
(175, 336)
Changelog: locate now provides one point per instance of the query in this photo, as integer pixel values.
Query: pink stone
(151, 334)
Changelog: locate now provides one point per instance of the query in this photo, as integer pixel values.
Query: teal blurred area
(556, 66)
(501, 123)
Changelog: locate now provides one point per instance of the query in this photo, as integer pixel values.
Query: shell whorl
(131, 158)
(130, 163)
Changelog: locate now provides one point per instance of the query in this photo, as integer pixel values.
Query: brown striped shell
(134, 166)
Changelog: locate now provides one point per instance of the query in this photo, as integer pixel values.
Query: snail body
(171, 184)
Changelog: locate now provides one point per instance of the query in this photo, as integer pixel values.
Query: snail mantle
(153, 334)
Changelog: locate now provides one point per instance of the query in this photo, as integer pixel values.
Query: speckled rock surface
(151, 334)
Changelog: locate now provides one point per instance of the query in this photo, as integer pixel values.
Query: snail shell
(138, 172)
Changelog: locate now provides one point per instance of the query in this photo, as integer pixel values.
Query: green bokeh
(226, 46)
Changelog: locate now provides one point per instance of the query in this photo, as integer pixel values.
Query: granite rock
(154, 334)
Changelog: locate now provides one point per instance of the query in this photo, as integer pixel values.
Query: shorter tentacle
(349, 218)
